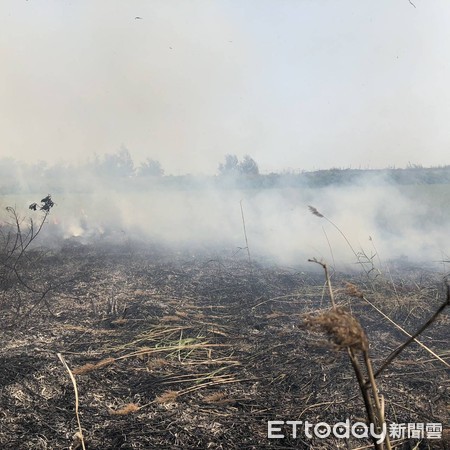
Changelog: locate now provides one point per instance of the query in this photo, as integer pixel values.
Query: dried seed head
(90, 367)
(314, 211)
(86, 368)
(342, 328)
(215, 397)
(156, 363)
(167, 397)
(352, 290)
(127, 409)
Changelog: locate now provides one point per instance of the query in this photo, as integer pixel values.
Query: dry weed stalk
(327, 277)
(346, 332)
(361, 257)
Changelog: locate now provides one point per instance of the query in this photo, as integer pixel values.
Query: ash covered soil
(197, 349)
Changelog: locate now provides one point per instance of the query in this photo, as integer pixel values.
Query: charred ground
(199, 349)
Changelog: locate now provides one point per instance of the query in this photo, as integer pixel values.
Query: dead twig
(327, 276)
(74, 382)
(245, 234)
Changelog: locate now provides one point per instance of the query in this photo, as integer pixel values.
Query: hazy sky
(300, 84)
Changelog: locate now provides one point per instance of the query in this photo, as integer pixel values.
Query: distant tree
(230, 166)
(248, 166)
(119, 164)
(10, 174)
(150, 168)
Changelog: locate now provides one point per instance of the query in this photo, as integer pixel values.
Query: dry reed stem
(431, 352)
(396, 352)
(318, 214)
(361, 383)
(245, 234)
(74, 382)
(346, 332)
(149, 351)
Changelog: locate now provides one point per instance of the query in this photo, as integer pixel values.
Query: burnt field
(200, 349)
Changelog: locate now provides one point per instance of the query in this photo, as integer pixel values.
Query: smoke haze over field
(296, 84)
(386, 220)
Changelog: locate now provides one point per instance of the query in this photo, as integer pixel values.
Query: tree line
(118, 170)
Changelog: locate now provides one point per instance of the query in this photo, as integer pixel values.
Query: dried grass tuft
(343, 329)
